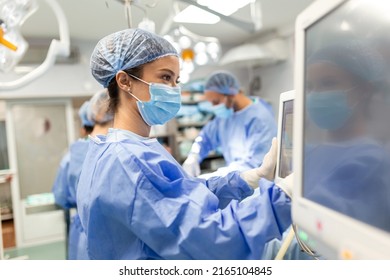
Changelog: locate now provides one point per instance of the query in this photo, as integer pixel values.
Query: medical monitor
(285, 137)
(341, 198)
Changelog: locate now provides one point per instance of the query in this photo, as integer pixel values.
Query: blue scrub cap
(98, 108)
(83, 114)
(356, 57)
(127, 49)
(223, 82)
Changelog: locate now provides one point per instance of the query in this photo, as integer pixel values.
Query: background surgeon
(243, 128)
(135, 201)
(93, 114)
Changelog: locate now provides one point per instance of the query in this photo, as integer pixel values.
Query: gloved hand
(287, 185)
(266, 169)
(191, 165)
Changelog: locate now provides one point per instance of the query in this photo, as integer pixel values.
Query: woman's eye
(167, 78)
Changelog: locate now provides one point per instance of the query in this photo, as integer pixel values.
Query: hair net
(356, 57)
(83, 114)
(223, 82)
(126, 49)
(98, 108)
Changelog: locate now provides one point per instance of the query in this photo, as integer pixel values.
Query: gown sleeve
(186, 215)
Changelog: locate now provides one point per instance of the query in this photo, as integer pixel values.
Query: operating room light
(12, 45)
(13, 13)
(193, 14)
(194, 50)
(225, 7)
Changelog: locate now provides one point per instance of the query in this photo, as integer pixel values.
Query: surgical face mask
(221, 111)
(165, 102)
(329, 109)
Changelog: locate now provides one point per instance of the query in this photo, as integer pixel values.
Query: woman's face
(335, 98)
(216, 98)
(164, 70)
(325, 76)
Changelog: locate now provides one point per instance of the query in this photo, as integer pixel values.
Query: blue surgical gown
(271, 249)
(351, 178)
(136, 202)
(244, 138)
(64, 190)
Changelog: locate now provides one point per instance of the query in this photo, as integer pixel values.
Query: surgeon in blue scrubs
(242, 129)
(93, 113)
(134, 199)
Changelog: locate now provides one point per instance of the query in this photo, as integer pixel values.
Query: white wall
(277, 78)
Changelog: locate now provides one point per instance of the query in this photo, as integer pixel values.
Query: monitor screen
(343, 136)
(285, 156)
(284, 164)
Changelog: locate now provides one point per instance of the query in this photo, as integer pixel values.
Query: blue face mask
(165, 102)
(329, 109)
(221, 111)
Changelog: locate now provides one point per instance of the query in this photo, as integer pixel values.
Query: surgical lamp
(13, 13)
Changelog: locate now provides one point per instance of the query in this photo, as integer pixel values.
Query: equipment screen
(286, 140)
(347, 112)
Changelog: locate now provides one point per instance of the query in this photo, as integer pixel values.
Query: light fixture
(214, 10)
(192, 14)
(194, 50)
(13, 14)
(225, 7)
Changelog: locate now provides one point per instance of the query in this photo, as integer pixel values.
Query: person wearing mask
(134, 199)
(94, 114)
(242, 129)
(346, 164)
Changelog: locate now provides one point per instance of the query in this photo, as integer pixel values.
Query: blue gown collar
(116, 135)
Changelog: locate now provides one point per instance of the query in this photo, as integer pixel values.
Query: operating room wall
(277, 78)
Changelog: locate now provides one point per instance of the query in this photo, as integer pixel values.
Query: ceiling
(93, 19)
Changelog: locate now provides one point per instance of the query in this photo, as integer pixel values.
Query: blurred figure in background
(93, 113)
(243, 128)
(86, 124)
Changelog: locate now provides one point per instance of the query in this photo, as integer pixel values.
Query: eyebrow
(171, 72)
(168, 70)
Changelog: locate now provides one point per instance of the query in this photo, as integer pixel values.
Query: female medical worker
(243, 129)
(93, 113)
(134, 199)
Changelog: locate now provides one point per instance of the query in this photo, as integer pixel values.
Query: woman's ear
(123, 80)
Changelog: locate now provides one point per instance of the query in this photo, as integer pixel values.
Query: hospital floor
(50, 251)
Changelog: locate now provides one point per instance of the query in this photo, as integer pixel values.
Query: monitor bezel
(330, 234)
(284, 97)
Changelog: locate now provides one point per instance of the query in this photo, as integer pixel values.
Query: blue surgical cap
(98, 107)
(223, 82)
(83, 114)
(355, 57)
(127, 49)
